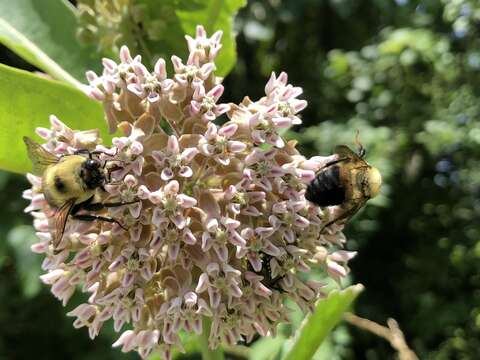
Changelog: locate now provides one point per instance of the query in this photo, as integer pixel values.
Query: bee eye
(91, 164)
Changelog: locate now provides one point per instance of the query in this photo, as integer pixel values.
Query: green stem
(207, 353)
(241, 351)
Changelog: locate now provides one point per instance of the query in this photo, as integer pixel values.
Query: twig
(392, 334)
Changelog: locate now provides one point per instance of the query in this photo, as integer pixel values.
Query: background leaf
(317, 326)
(28, 264)
(267, 348)
(27, 101)
(43, 33)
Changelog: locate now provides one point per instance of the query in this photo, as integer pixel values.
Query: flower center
(240, 198)
(152, 84)
(123, 70)
(256, 243)
(170, 204)
(284, 109)
(288, 218)
(133, 264)
(221, 236)
(191, 72)
(128, 194)
(172, 235)
(262, 168)
(291, 181)
(208, 103)
(220, 283)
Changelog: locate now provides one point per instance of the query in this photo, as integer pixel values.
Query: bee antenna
(361, 149)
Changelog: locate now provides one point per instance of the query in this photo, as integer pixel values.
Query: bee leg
(348, 212)
(115, 204)
(100, 206)
(110, 170)
(100, 218)
(331, 163)
(95, 152)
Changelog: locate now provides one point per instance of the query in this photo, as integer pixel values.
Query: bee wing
(350, 210)
(41, 158)
(346, 152)
(61, 216)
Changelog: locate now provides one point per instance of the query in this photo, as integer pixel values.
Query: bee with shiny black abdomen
(69, 184)
(349, 181)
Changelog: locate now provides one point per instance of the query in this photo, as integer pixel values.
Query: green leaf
(267, 348)
(27, 264)
(215, 15)
(318, 325)
(43, 33)
(27, 101)
(165, 24)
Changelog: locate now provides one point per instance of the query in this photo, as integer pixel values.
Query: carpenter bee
(69, 184)
(349, 181)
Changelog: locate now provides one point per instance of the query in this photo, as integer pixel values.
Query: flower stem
(207, 353)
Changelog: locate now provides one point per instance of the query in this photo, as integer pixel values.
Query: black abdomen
(326, 189)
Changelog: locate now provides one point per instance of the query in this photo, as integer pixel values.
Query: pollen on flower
(222, 228)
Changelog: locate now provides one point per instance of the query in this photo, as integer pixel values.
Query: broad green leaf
(27, 263)
(318, 325)
(43, 33)
(27, 101)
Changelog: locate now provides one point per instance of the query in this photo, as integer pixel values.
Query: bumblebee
(69, 184)
(348, 182)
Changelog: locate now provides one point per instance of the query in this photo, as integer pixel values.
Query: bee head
(92, 173)
(374, 181)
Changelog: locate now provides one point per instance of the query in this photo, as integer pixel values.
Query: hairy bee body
(62, 182)
(327, 188)
(348, 182)
(69, 184)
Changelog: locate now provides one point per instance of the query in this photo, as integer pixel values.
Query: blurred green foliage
(406, 75)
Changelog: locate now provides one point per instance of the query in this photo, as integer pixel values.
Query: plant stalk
(207, 353)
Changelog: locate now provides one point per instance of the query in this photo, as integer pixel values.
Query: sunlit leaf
(318, 325)
(26, 101)
(43, 33)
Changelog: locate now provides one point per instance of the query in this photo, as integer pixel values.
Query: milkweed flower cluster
(221, 230)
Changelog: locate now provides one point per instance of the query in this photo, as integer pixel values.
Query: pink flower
(216, 143)
(262, 168)
(202, 47)
(151, 85)
(173, 162)
(191, 74)
(282, 98)
(220, 280)
(205, 104)
(215, 222)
